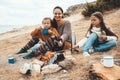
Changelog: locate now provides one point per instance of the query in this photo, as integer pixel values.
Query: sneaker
(74, 51)
(86, 54)
(91, 50)
(30, 55)
(22, 51)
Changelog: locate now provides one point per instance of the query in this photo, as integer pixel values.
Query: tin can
(11, 60)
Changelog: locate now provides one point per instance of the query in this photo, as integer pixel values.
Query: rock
(66, 64)
(99, 71)
(71, 58)
(36, 61)
(52, 68)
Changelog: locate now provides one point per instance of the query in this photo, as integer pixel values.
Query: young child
(40, 34)
(99, 37)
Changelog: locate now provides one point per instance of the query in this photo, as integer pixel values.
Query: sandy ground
(11, 42)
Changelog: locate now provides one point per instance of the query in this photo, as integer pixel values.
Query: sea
(12, 15)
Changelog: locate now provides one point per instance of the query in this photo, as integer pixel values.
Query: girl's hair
(47, 18)
(54, 22)
(102, 24)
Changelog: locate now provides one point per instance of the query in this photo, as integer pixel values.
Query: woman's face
(57, 14)
(95, 21)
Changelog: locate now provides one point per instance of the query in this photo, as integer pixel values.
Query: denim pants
(35, 47)
(97, 46)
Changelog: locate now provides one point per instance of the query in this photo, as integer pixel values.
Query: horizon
(31, 12)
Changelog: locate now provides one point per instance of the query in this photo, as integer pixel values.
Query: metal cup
(11, 60)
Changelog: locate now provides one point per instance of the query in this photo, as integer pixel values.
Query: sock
(42, 49)
(31, 43)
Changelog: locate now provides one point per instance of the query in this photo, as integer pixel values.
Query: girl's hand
(75, 47)
(49, 31)
(103, 37)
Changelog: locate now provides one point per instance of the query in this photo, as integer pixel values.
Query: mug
(11, 60)
(36, 67)
(45, 32)
(108, 61)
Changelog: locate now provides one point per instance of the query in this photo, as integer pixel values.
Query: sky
(31, 12)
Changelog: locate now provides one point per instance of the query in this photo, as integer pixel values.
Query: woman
(64, 29)
(62, 26)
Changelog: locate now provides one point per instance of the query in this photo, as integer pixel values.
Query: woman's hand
(60, 43)
(103, 37)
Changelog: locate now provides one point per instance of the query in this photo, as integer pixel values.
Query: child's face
(46, 24)
(95, 21)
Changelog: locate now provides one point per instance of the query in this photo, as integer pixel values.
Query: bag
(25, 68)
(60, 57)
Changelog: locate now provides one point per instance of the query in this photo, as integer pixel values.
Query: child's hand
(103, 37)
(41, 41)
(36, 52)
(49, 31)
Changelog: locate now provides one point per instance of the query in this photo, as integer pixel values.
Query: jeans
(97, 46)
(35, 47)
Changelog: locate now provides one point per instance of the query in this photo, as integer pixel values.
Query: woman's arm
(66, 31)
(111, 38)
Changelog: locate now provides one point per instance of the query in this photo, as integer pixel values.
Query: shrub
(100, 5)
(91, 8)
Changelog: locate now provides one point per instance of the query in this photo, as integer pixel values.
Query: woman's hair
(47, 18)
(54, 22)
(102, 24)
(58, 7)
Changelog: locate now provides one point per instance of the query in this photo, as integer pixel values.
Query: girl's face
(57, 14)
(46, 24)
(95, 21)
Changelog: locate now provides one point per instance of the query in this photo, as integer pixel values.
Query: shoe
(30, 55)
(86, 54)
(22, 51)
(74, 51)
(91, 50)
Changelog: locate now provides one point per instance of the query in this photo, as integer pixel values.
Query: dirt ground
(11, 42)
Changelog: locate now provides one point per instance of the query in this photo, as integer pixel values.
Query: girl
(40, 34)
(99, 37)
